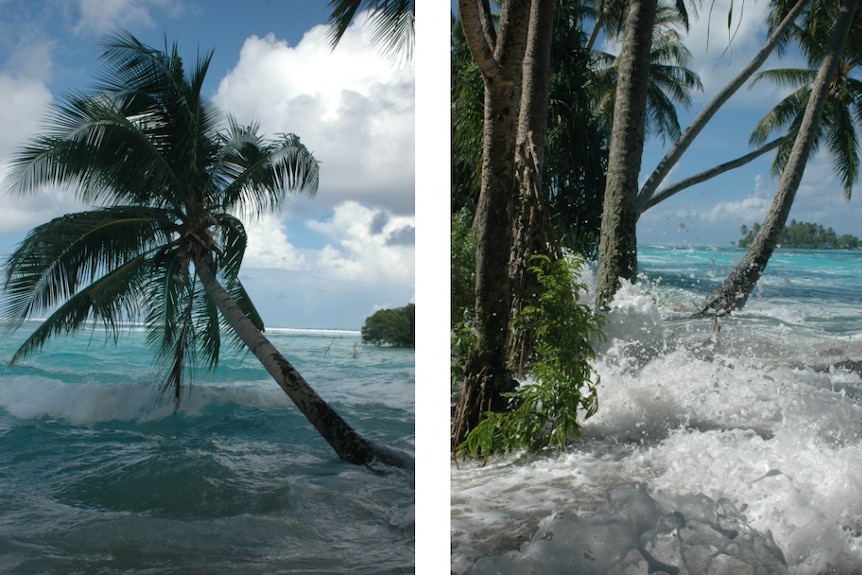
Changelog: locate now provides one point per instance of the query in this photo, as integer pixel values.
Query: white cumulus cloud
(367, 245)
(352, 108)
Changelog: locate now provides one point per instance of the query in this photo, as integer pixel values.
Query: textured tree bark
(532, 231)
(618, 242)
(347, 443)
(736, 289)
(500, 57)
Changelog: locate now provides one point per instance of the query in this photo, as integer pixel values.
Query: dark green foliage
(467, 94)
(463, 251)
(463, 340)
(463, 278)
(545, 411)
(395, 327)
(804, 235)
(576, 145)
(391, 23)
(837, 130)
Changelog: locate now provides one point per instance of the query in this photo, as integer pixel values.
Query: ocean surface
(99, 476)
(729, 447)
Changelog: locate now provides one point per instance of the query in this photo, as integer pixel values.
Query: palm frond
(842, 143)
(391, 23)
(781, 117)
(661, 114)
(168, 286)
(180, 358)
(57, 258)
(293, 166)
(782, 153)
(786, 77)
(233, 243)
(100, 154)
(238, 293)
(854, 89)
(112, 299)
(152, 88)
(261, 174)
(169, 297)
(208, 324)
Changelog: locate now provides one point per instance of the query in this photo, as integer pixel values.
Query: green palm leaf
(670, 82)
(842, 143)
(111, 299)
(391, 23)
(55, 259)
(99, 153)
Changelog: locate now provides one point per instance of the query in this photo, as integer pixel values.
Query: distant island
(804, 236)
(391, 327)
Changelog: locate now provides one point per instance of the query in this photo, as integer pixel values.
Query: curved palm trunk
(736, 289)
(349, 445)
(618, 243)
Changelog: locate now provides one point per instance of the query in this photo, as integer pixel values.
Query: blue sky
(326, 262)
(712, 212)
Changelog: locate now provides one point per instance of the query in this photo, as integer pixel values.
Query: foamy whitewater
(98, 476)
(728, 448)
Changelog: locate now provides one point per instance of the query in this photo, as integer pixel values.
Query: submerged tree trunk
(347, 443)
(618, 242)
(736, 289)
(532, 231)
(499, 55)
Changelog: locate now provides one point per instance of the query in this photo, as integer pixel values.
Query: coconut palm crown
(162, 243)
(842, 114)
(670, 81)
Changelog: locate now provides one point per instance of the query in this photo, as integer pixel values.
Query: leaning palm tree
(833, 25)
(163, 242)
(841, 113)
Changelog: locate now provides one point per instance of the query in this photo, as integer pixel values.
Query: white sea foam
(729, 448)
(35, 397)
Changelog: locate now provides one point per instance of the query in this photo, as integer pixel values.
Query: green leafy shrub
(395, 327)
(545, 411)
(463, 275)
(463, 340)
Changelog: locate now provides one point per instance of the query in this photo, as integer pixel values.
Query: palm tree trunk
(532, 231)
(347, 443)
(618, 242)
(736, 289)
(500, 58)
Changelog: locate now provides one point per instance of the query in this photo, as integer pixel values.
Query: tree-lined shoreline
(804, 236)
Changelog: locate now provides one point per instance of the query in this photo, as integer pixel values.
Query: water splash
(753, 430)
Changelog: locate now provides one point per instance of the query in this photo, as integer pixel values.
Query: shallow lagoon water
(729, 448)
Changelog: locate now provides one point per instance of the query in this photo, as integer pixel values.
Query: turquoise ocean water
(729, 447)
(99, 476)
